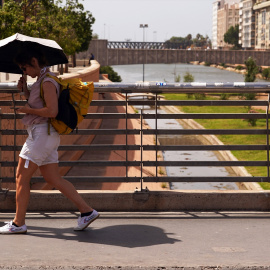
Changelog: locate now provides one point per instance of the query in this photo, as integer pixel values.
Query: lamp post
(143, 26)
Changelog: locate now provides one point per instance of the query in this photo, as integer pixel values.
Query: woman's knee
(22, 180)
(23, 172)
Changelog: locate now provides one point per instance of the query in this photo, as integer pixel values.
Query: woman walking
(40, 148)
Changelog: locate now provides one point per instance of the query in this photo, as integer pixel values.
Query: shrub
(189, 78)
(177, 78)
(223, 65)
(252, 70)
(266, 73)
(112, 75)
(224, 96)
(239, 67)
(199, 96)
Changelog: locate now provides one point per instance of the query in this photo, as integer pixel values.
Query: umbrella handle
(22, 93)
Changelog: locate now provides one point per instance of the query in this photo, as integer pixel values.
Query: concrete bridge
(128, 53)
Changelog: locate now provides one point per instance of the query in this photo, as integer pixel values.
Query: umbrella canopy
(9, 48)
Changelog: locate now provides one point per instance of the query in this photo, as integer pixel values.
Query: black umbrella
(9, 48)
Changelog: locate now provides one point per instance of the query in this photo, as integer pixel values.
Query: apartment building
(262, 24)
(227, 16)
(247, 24)
(216, 6)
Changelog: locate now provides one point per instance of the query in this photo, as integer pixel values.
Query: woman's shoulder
(49, 79)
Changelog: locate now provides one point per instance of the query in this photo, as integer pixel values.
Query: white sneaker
(11, 229)
(84, 222)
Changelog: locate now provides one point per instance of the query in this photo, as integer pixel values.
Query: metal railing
(134, 45)
(152, 97)
(146, 45)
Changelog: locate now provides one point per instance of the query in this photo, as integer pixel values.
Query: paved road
(168, 240)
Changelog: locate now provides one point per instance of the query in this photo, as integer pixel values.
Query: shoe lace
(8, 223)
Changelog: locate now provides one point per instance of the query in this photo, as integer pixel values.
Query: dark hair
(26, 54)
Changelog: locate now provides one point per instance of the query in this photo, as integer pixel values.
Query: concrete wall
(148, 201)
(107, 56)
(87, 74)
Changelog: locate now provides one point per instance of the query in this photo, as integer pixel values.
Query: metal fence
(150, 94)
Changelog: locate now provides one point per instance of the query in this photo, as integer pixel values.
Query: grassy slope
(232, 139)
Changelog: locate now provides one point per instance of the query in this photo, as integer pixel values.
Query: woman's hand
(22, 85)
(24, 109)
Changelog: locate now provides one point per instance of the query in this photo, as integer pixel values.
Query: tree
(252, 70)
(69, 25)
(232, 36)
(185, 42)
(80, 20)
(250, 76)
(189, 37)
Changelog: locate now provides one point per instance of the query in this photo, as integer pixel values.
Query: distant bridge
(128, 53)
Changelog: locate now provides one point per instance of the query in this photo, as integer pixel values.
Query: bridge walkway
(145, 240)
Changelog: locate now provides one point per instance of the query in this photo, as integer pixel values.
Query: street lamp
(143, 26)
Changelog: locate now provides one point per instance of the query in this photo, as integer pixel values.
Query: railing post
(14, 136)
(156, 112)
(1, 143)
(3, 192)
(267, 135)
(126, 136)
(141, 149)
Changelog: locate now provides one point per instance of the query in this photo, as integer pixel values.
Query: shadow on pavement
(131, 235)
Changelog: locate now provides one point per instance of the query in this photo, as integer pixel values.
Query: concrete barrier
(176, 200)
(87, 74)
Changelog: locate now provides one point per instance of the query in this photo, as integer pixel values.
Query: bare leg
(51, 174)
(23, 177)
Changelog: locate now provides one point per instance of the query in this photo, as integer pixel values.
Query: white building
(216, 6)
(247, 24)
(262, 24)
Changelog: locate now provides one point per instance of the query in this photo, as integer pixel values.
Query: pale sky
(118, 20)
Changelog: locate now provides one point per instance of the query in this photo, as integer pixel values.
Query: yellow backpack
(73, 103)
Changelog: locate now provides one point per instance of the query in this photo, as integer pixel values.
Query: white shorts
(40, 147)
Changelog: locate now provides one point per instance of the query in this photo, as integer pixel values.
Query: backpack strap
(44, 104)
(58, 80)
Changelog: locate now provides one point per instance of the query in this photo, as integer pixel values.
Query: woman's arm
(51, 100)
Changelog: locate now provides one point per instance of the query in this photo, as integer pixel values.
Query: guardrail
(152, 91)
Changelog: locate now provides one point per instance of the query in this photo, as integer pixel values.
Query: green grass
(231, 124)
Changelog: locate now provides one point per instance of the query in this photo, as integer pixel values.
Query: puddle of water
(188, 155)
